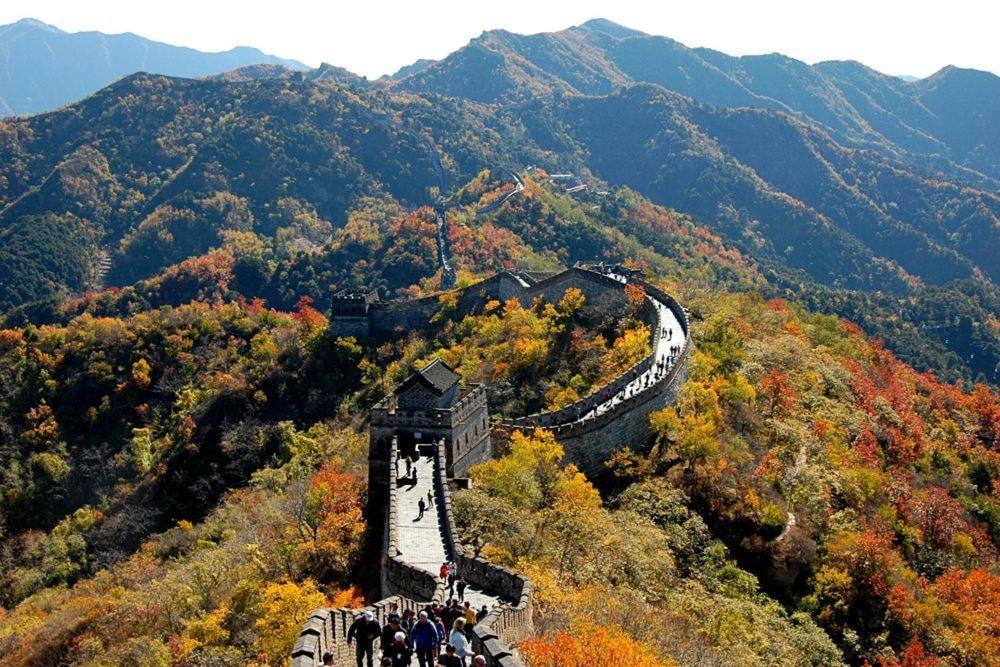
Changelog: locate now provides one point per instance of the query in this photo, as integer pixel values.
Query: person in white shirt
(463, 649)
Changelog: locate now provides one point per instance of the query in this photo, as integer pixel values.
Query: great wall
(590, 430)
(612, 417)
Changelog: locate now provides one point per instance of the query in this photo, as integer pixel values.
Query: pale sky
(375, 37)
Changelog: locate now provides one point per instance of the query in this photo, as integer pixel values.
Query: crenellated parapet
(614, 416)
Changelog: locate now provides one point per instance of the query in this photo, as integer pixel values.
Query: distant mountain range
(863, 194)
(948, 120)
(43, 67)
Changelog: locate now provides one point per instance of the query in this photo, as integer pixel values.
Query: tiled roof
(437, 375)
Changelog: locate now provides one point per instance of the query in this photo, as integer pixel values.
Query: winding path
(670, 339)
(422, 540)
(417, 544)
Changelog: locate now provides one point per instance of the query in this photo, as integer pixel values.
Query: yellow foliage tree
(284, 608)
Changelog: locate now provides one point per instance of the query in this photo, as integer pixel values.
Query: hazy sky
(374, 37)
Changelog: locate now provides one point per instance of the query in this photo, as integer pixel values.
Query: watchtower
(432, 405)
(349, 312)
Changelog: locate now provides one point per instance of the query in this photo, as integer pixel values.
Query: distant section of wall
(387, 318)
(589, 442)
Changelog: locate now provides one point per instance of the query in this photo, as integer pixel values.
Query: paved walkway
(421, 540)
(672, 336)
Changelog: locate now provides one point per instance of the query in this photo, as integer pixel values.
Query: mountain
(944, 121)
(148, 173)
(43, 67)
(183, 446)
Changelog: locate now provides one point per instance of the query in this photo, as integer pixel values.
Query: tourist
(482, 613)
(366, 630)
(327, 659)
(425, 639)
(479, 661)
(449, 613)
(460, 589)
(409, 466)
(441, 628)
(409, 618)
(457, 638)
(444, 571)
(449, 659)
(430, 497)
(469, 614)
(391, 628)
(421, 507)
(398, 653)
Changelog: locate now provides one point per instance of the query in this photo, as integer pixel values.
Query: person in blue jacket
(425, 639)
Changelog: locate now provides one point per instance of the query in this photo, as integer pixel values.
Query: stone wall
(398, 576)
(388, 318)
(404, 586)
(589, 442)
(506, 624)
(326, 631)
(470, 437)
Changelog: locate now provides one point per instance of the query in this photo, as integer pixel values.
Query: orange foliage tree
(589, 646)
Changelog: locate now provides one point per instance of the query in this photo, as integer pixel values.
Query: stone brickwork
(459, 416)
(593, 428)
(590, 430)
(387, 318)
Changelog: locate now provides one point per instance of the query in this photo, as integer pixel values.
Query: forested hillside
(153, 171)
(184, 466)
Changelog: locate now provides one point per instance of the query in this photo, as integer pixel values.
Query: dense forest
(184, 464)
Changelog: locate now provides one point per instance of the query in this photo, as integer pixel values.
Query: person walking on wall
(422, 508)
(470, 615)
(365, 629)
(389, 631)
(460, 589)
(398, 653)
(425, 640)
(458, 639)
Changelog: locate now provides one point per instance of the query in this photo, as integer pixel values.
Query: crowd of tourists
(440, 634)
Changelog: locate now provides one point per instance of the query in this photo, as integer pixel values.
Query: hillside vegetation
(184, 480)
(153, 171)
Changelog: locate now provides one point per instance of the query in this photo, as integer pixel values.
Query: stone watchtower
(349, 312)
(430, 406)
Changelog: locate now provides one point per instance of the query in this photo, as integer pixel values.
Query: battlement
(435, 408)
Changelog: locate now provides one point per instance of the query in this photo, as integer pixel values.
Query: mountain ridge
(43, 67)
